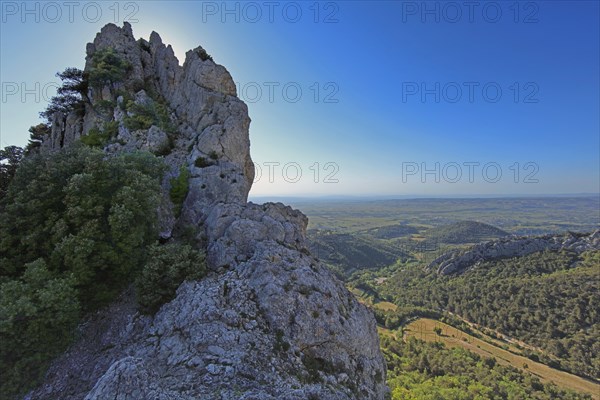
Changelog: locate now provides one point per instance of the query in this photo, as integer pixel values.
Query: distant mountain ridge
(457, 261)
(350, 252)
(392, 231)
(464, 232)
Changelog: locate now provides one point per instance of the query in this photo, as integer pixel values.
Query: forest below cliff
(540, 306)
(547, 300)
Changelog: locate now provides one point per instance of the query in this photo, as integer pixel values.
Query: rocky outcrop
(461, 260)
(277, 326)
(209, 122)
(269, 321)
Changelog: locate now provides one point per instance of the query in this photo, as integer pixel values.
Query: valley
(487, 346)
(533, 313)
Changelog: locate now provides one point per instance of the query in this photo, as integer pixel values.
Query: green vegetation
(393, 231)
(539, 306)
(180, 187)
(203, 54)
(202, 162)
(347, 253)
(143, 116)
(71, 96)
(280, 344)
(464, 232)
(10, 158)
(36, 136)
(38, 315)
(75, 228)
(168, 265)
(548, 300)
(78, 227)
(100, 137)
(487, 346)
(429, 371)
(107, 68)
(82, 213)
(314, 365)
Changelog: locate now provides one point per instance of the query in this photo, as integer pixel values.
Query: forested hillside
(464, 232)
(346, 253)
(548, 300)
(76, 229)
(430, 371)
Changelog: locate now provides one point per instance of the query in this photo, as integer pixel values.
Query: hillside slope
(347, 252)
(544, 298)
(464, 232)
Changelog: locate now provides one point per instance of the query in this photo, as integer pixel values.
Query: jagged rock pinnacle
(270, 321)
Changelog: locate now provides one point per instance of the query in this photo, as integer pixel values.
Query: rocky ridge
(269, 321)
(455, 262)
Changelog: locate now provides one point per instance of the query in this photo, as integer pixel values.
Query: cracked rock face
(461, 260)
(269, 321)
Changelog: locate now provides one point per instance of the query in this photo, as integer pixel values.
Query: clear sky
(362, 98)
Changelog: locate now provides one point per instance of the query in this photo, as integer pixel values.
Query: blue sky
(501, 98)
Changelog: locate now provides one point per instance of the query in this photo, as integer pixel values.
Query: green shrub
(95, 138)
(107, 67)
(83, 213)
(180, 186)
(75, 226)
(136, 122)
(127, 97)
(99, 138)
(145, 46)
(203, 54)
(202, 162)
(163, 119)
(38, 315)
(315, 364)
(168, 266)
(111, 128)
(145, 115)
(138, 85)
(105, 107)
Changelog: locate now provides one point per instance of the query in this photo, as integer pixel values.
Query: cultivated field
(423, 328)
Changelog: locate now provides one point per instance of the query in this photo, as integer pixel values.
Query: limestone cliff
(459, 261)
(269, 321)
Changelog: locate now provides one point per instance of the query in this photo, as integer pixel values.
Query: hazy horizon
(375, 197)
